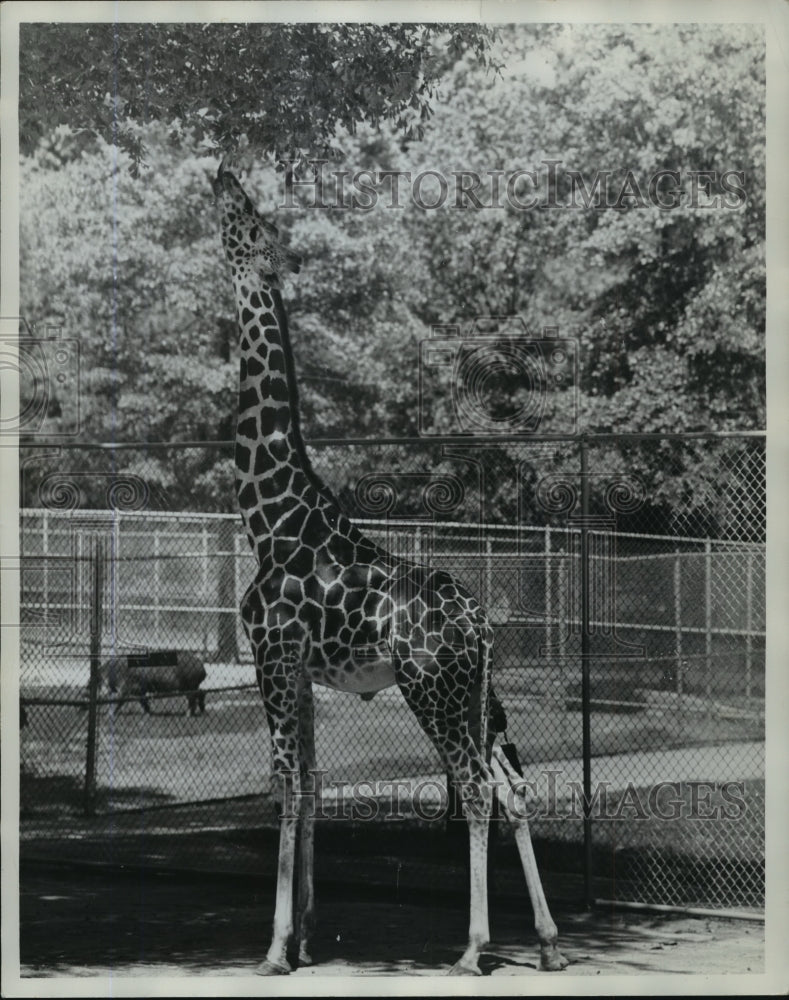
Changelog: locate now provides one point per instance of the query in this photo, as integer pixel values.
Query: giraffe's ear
(226, 166)
(292, 261)
(269, 227)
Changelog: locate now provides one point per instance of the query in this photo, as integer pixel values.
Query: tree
(666, 306)
(130, 271)
(288, 88)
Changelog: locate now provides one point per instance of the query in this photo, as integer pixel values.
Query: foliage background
(120, 242)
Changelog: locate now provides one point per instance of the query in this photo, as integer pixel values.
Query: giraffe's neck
(273, 472)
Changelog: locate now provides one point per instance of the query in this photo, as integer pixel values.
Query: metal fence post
(45, 552)
(157, 584)
(226, 626)
(678, 629)
(547, 578)
(98, 546)
(488, 572)
(563, 615)
(748, 626)
(586, 684)
(708, 626)
(204, 562)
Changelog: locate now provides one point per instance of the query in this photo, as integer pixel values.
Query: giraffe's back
(349, 609)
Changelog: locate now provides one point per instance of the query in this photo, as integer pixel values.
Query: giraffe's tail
(497, 717)
(493, 718)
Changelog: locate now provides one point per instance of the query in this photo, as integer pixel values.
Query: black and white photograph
(392, 399)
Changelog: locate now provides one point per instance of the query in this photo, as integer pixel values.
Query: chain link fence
(619, 606)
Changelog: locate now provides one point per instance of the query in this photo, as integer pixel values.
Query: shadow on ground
(77, 922)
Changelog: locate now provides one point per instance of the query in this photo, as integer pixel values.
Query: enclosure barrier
(630, 661)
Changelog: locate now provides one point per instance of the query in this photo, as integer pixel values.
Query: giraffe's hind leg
(507, 782)
(449, 732)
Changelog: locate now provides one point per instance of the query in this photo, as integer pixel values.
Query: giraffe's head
(251, 243)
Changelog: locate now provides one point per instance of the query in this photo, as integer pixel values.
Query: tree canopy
(287, 88)
(663, 302)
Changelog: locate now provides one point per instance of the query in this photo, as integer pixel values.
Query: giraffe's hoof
(268, 968)
(552, 960)
(304, 957)
(462, 969)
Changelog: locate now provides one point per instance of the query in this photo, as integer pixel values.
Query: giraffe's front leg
(280, 694)
(276, 962)
(477, 801)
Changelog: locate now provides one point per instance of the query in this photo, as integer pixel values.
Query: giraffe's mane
(293, 391)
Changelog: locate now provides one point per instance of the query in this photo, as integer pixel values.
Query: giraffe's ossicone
(328, 605)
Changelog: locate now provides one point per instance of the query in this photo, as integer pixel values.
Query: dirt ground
(94, 924)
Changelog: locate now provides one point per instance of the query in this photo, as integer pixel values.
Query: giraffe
(329, 606)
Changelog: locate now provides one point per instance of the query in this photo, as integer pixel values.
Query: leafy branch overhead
(288, 89)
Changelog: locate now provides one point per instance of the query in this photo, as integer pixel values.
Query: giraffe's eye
(253, 234)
